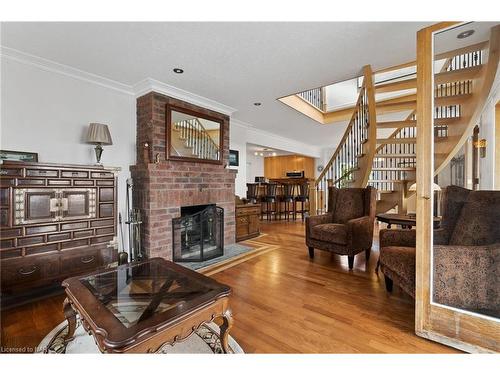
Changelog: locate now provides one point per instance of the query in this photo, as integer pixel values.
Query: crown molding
(243, 124)
(150, 84)
(54, 67)
(138, 89)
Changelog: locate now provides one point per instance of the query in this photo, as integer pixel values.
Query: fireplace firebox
(198, 235)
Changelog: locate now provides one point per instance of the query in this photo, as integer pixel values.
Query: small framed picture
(18, 156)
(234, 158)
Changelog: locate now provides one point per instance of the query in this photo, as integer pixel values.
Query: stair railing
(353, 146)
(314, 97)
(196, 137)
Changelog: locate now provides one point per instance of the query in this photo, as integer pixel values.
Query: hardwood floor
(285, 303)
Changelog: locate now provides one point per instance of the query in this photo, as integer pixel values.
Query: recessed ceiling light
(256, 153)
(465, 34)
(261, 154)
(178, 70)
(274, 153)
(257, 104)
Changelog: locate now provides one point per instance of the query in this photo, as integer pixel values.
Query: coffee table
(405, 221)
(142, 306)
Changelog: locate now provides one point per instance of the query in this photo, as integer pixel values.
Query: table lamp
(98, 134)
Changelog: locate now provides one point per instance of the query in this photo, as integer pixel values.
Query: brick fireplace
(162, 187)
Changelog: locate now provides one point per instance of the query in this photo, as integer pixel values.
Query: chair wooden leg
(350, 260)
(311, 252)
(367, 254)
(388, 284)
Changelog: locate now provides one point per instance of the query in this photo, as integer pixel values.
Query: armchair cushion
(467, 277)
(335, 233)
(397, 237)
(349, 204)
(479, 221)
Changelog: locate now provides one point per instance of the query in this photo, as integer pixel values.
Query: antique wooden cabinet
(247, 221)
(56, 221)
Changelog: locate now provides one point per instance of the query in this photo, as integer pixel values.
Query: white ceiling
(236, 64)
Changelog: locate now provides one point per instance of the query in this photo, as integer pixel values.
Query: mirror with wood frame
(466, 251)
(456, 282)
(193, 136)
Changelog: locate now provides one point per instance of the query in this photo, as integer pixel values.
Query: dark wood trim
(168, 129)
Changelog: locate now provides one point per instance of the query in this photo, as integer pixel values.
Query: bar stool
(287, 197)
(269, 198)
(303, 197)
(252, 193)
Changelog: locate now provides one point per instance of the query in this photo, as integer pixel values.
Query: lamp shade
(435, 187)
(98, 134)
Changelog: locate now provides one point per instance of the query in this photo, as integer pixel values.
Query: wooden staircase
(371, 156)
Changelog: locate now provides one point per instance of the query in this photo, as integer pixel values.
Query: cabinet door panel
(34, 205)
(253, 224)
(242, 226)
(4, 217)
(78, 203)
(4, 196)
(38, 205)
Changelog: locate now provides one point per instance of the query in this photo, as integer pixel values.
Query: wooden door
(437, 317)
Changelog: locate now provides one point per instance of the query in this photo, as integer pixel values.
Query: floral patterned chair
(347, 228)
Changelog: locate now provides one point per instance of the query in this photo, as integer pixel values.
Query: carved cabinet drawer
(75, 174)
(29, 269)
(41, 173)
(102, 175)
(248, 211)
(11, 172)
(77, 261)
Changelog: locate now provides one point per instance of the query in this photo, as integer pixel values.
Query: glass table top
(137, 292)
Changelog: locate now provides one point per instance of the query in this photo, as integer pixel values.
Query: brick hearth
(160, 189)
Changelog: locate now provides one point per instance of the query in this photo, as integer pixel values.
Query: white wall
(237, 142)
(47, 112)
(487, 131)
(255, 166)
(242, 133)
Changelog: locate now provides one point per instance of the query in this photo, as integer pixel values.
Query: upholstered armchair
(347, 227)
(466, 252)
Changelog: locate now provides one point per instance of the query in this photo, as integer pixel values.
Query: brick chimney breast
(161, 189)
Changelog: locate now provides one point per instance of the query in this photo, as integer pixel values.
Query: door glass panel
(466, 250)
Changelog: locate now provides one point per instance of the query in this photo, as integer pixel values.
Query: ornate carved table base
(70, 315)
(176, 302)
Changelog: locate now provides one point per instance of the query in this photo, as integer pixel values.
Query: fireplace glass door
(198, 235)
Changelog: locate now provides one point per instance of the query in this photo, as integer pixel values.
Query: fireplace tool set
(133, 223)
